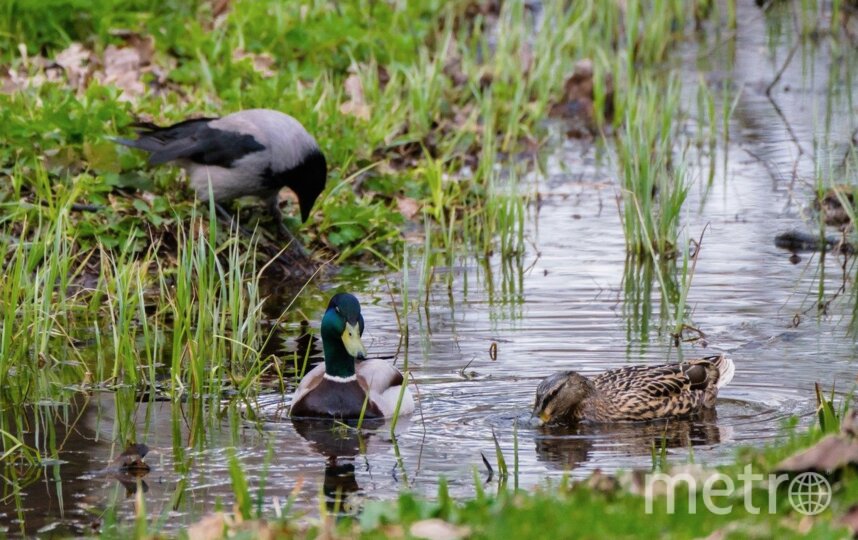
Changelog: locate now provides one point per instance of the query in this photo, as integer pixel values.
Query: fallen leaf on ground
(833, 452)
(144, 45)
(211, 527)
(438, 529)
(75, 61)
(122, 69)
(407, 206)
(356, 105)
(262, 63)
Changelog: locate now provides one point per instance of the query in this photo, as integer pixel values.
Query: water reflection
(569, 447)
(340, 443)
(338, 485)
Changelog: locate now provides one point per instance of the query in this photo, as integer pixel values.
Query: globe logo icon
(809, 493)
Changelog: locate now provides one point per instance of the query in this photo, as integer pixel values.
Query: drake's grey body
(255, 152)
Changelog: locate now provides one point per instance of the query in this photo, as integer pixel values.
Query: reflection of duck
(633, 393)
(339, 483)
(334, 439)
(339, 389)
(571, 446)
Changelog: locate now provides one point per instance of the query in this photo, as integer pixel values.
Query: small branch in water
(678, 337)
(462, 371)
(783, 68)
(489, 467)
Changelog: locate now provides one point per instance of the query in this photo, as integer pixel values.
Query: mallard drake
(339, 387)
(633, 393)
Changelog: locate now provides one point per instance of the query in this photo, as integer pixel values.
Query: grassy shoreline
(624, 505)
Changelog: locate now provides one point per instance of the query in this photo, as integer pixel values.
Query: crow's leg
(230, 220)
(282, 229)
(226, 216)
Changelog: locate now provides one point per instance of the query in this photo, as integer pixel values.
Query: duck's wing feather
(379, 375)
(384, 382)
(310, 381)
(648, 392)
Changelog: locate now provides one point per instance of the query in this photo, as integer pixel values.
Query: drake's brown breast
(332, 399)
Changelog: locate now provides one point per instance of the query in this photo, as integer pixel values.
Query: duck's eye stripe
(552, 393)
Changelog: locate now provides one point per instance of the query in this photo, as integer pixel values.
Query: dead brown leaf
(144, 45)
(262, 62)
(356, 105)
(75, 61)
(438, 529)
(408, 207)
(850, 519)
(833, 452)
(122, 68)
(211, 527)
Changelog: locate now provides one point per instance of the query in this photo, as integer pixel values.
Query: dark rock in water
(796, 240)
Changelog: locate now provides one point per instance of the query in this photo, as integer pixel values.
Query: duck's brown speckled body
(634, 393)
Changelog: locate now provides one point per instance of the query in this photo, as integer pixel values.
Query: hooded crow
(253, 152)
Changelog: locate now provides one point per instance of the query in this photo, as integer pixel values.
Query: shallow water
(562, 305)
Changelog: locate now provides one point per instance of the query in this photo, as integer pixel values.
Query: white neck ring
(334, 378)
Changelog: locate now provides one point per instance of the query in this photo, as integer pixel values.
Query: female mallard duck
(338, 388)
(633, 393)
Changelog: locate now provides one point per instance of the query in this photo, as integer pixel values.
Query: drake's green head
(342, 328)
